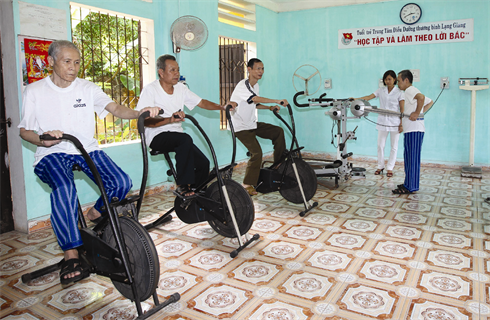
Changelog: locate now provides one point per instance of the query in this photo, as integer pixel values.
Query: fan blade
(297, 75)
(312, 75)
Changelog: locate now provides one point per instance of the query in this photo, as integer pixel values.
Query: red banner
(36, 55)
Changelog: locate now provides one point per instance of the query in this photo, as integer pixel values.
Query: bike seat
(167, 157)
(156, 152)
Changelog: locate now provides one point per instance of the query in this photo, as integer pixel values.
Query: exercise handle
(141, 120)
(232, 129)
(300, 105)
(65, 136)
(141, 131)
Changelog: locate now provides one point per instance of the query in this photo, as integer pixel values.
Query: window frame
(147, 52)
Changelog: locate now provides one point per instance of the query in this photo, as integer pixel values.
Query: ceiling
(296, 5)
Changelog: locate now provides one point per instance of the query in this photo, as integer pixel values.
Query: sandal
(72, 266)
(184, 192)
(251, 190)
(389, 174)
(378, 172)
(401, 190)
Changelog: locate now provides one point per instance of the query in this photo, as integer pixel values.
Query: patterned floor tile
(363, 253)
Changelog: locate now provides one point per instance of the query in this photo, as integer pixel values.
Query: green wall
(310, 37)
(201, 68)
(284, 42)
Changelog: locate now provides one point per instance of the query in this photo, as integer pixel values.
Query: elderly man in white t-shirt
(247, 127)
(167, 134)
(413, 129)
(63, 103)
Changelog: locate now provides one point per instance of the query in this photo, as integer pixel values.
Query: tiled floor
(364, 253)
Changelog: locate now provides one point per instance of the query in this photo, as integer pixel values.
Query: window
(115, 55)
(239, 13)
(233, 57)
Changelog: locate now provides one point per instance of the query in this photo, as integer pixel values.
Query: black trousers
(191, 164)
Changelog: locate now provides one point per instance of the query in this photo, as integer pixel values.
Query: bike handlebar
(300, 105)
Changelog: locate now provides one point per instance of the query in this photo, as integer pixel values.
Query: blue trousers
(56, 171)
(411, 155)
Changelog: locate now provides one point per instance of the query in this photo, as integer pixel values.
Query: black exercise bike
(118, 247)
(293, 177)
(224, 204)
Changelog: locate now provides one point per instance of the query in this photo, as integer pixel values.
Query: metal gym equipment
(293, 177)
(118, 247)
(224, 204)
(473, 85)
(339, 169)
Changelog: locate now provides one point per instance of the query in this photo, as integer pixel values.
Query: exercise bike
(293, 177)
(224, 204)
(118, 247)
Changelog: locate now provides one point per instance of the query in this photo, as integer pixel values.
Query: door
(7, 220)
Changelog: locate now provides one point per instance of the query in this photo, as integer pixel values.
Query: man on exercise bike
(63, 103)
(167, 135)
(247, 128)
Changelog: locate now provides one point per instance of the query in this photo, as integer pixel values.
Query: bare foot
(92, 214)
(250, 189)
(185, 191)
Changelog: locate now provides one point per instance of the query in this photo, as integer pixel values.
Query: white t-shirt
(153, 95)
(388, 101)
(410, 106)
(245, 115)
(47, 107)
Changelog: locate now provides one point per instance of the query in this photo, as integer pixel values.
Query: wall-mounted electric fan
(188, 33)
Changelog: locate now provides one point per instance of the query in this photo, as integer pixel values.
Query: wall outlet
(328, 83)
(380, 83)
(444, 82)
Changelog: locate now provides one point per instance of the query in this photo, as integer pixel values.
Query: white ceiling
(296, 5)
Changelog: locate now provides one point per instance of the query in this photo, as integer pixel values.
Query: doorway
(6, 205)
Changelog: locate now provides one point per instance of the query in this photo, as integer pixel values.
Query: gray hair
(162, 59)
(56, 46)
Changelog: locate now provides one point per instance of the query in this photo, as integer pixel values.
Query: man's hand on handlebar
(153, 111)
(275, 108)
(230, 103)
(283, 102)
(178, 116)
(54, 133)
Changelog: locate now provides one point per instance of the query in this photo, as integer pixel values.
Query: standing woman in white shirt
(390, 98)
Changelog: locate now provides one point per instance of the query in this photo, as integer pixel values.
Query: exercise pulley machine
(341, 168)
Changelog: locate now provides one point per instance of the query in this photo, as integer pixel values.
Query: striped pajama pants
(411, 155)
(56, 170)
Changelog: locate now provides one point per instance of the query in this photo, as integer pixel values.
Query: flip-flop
(183, 191)
(71, 266)
(97, 220)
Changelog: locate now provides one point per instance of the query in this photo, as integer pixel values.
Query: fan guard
(308, 79)
(188, 33)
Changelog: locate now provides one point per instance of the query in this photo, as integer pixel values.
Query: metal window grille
(233, 57)
(111, 57)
